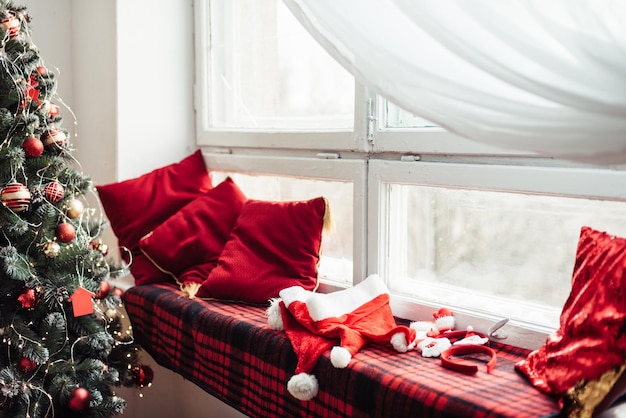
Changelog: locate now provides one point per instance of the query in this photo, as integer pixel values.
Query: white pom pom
(340, 357)
(274, 319)
(303, 386)
(398, 341)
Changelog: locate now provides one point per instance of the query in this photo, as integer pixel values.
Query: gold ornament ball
(75, 209)
(51, 249)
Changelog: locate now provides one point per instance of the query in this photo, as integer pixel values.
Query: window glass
(336, 259)
(394, 117)
(267, 72)
(504, 253)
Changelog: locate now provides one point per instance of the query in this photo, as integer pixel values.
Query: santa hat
(443, 321)
(314, 323)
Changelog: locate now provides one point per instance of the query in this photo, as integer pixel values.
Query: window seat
(229, 351)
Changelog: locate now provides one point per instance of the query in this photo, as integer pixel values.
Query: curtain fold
(530, 75)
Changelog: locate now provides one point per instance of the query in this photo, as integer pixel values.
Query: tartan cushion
(227, 349)
(136, 206)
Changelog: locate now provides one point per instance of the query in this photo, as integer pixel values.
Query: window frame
(310, 166)
(371, 155)
(209, 136)
(518, 176)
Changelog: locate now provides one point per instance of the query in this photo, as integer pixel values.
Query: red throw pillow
(274, 245)
(591, 339)
(196, 234)
(137, 206)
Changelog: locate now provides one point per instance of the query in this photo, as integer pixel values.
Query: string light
(89, 222)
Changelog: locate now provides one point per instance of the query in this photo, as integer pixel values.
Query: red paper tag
(82, 301)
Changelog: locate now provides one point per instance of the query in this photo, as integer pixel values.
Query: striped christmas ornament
(15, 196)
(54, 191)
(11, 26)
(54, 137)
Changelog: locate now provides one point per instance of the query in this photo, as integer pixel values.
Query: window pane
(395, 117)
(508, 254)
(268, 72)
(337, 255)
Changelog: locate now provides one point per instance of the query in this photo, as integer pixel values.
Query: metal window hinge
(371, 121)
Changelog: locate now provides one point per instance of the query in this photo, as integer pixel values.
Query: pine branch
(54, 329)
(14, 265)
(28, 342)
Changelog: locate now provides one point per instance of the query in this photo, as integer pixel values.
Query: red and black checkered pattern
(228, 350)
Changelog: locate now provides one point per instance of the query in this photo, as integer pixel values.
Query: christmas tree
(63, 346)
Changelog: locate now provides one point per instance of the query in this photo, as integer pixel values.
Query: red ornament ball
(54, 138)
(79, 399)
(28, 298)
(65, 232)
(105, 288)
(15, 196)
(33, 147)
(142, 375)
(54, 191)
(118, 292)
(26, 365)
(42, 70)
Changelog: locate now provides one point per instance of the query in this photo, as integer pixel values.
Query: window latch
(495, 332)
(410, 158)
(328, 155)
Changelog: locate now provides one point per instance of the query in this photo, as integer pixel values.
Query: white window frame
(309, 166)
(372, 156)
(207, 135)
(475, 174)
(425, 140)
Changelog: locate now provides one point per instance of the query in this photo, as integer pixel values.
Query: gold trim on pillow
(581, 400)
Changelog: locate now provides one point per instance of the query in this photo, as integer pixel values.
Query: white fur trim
(335, 304)
(274, 319)
(433, 347)
(340, 357)
(398, 341)
(424, 326)
(303, 386)
(294, 294)
(445, 322)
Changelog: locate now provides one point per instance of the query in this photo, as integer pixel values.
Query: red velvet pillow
(274, 245)
(591, 339)
(196, 234)
(135, 207)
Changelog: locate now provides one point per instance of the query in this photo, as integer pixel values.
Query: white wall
(155, 84)
(94, 78)
(125, 69)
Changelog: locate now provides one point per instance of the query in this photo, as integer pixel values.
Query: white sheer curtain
(547, 76)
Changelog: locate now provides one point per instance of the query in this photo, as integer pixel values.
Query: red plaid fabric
(228, 350)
